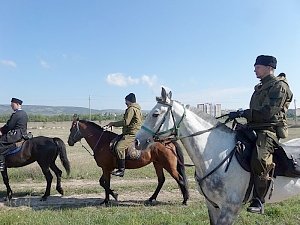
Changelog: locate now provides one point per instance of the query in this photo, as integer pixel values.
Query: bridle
(80, 136)
(78, 133)
(174, 132)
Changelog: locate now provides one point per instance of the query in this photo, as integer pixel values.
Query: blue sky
(59, 53)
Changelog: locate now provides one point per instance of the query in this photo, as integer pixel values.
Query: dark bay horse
(168, 157)
(43, 150)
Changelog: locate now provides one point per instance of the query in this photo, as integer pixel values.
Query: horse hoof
(60, 191)
(104, 202)
(150, 202)
(116, 196)
(44, 198)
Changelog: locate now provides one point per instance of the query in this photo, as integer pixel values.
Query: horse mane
(96, 126)
(210, 119)
(207, 117)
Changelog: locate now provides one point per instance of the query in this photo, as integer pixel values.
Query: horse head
(161, 122)
(75, 134)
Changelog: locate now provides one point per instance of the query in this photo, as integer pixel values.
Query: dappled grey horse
(210, 147)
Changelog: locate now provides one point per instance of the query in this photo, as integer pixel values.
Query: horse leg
(105, 183)
(213, 213)
(179, 175)
(49, 177)
(161, 180)
(224, 215)
(228, 214)
(58, 174)
(6, 182)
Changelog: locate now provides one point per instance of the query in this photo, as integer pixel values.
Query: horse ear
(163, 94)
(75, 117)
(170, 95)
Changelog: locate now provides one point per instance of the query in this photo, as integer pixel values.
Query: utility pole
(295, 111)
(90, 107)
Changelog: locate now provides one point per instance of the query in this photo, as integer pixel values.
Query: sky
(93, 53)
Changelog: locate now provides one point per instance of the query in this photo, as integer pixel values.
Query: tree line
(65, 117)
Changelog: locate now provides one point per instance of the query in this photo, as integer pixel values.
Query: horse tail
(62, 154)
(180, 161)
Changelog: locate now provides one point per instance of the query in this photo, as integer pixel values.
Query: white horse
(209, 146)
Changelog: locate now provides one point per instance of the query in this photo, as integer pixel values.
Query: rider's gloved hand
(234, 115)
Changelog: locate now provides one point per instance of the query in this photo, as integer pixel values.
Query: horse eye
(155, 114)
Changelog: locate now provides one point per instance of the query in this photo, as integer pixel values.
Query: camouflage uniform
(131, 123)
(266, 116)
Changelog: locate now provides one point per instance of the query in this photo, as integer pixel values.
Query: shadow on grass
(57, 202)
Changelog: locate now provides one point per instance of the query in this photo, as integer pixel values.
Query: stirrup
(2, 166)
(119, 172)
(256, 207)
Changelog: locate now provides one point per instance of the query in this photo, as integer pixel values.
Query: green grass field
(80, 205)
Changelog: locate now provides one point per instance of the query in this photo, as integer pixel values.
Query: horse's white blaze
(226, 189)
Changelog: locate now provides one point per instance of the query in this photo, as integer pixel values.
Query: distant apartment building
(211, 109)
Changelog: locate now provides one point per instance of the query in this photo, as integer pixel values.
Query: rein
(86, 149)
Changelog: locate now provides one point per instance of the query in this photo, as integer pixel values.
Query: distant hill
(57, 110)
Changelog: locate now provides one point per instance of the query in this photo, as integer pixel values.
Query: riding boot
(121, 168)
(260, 190)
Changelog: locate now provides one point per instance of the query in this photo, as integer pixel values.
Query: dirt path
(125, 198)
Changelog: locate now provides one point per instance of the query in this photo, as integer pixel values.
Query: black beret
(16, 100)
(266, 60)
(131, 98)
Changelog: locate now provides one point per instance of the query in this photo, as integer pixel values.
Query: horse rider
(13, 130)
(131, 123)
(267, 117)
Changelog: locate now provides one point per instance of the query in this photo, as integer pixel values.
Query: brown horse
(168, 157)
(44, 151)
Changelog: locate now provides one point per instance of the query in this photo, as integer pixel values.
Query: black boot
(256, 206)
(260, 190)
(121, 168)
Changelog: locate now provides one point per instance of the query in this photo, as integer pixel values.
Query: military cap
(16, 100)
(266, 60)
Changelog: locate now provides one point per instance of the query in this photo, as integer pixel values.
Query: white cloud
(121, 80)
(44, 64)
(8, 63)
(150, 81)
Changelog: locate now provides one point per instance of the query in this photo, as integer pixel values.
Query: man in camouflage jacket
(267, 117)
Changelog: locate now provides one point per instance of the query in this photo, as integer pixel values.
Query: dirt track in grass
(125, 197)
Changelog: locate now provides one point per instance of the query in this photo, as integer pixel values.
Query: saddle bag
(288, 166)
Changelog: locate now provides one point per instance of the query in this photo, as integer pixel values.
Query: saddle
(130, 153)
(286, 164)
(16, 147)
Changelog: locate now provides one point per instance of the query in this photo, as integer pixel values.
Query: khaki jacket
(132, 120)
(269, 103)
